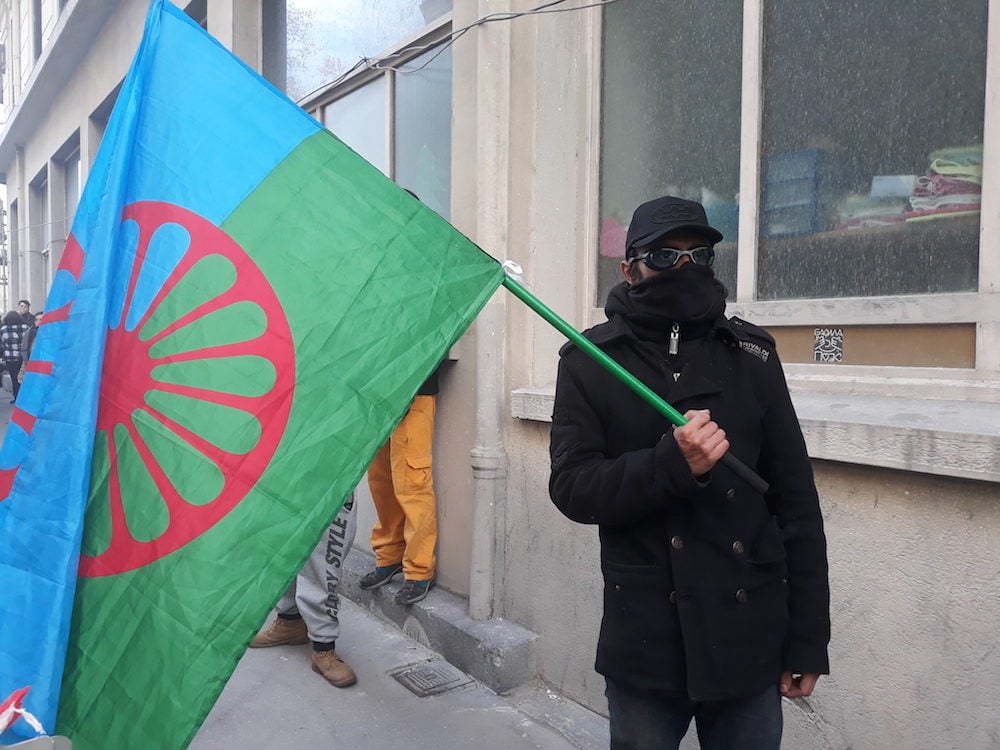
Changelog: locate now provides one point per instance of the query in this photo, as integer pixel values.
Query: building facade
(62, 64)
(849, 154)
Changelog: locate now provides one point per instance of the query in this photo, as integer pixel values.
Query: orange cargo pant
(402, 487)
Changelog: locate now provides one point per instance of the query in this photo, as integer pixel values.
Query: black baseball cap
(655, 218)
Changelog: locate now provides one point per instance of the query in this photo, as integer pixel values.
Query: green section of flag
(388, 284)
(213, 275)
(376, 288)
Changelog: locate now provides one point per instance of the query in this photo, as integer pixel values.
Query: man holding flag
(716, 598)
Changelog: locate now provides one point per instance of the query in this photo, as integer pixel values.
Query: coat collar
(730, 331)
(700, 375)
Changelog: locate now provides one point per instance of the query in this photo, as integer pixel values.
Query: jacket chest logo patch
(755, 349)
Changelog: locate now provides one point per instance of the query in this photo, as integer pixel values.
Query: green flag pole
(645, 392)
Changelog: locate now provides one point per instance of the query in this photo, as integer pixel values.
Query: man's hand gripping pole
(739, 468)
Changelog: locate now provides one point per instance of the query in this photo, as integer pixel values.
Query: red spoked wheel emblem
(195, 395)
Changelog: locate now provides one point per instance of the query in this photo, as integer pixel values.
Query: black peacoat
(711, 589)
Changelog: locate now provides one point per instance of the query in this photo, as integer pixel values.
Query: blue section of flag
(128, 245)
(204, 164)
(166, 248)
(201, 164)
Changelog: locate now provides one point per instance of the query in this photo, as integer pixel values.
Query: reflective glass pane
(71, 190)
(670, 118)
(358, 119)
(872, 147)
(327, 37)
(423, 129)
(44, 216)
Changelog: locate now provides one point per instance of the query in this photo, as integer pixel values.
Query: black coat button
(741, 596)
(738, 547)
(673, 597)
(730, 493)
(677, 543)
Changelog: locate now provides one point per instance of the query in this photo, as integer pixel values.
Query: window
(45, 235)
(36, 27)
(670, 119)
(399, 116)
(8, 271)
(325, 40)
(422, 129)
(6, 43)
(39, 232)
(358, 119)
(97, 123)
(198, 11)
(850, 152)
(872, 148)
(71, 188)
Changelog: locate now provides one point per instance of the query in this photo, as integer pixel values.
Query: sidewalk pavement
(274, 699)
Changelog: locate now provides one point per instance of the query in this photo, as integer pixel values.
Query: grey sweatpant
(313, 592)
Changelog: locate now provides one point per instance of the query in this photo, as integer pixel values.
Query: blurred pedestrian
(29, 345)
(13, 338)
(24, 309)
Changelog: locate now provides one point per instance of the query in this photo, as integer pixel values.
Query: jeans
(653, 720)
(13, 366)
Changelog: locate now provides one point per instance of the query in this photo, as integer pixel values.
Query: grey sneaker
(380, 576)
(413, 591)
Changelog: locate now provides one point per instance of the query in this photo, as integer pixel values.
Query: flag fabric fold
(243, 312)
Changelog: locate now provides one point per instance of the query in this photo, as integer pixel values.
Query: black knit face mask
(690, 293)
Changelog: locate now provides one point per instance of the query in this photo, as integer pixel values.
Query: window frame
(36, 28)
(39, 222)
(11, 247)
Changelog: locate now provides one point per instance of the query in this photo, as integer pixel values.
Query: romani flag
(242, 314)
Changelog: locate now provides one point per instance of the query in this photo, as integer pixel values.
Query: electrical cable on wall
(368, 63)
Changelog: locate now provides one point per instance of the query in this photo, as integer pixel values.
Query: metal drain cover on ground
(430, 677)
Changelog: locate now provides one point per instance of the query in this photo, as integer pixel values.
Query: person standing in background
(13, 338)
(309, 610)
(402, 485)
(24, 309)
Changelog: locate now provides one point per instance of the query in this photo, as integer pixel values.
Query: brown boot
(335, 670)
(282, 632)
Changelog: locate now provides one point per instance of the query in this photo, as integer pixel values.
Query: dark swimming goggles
(664, 258)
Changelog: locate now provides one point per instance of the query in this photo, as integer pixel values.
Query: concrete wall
(915, 564)
(550, 575)
(552, 579)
